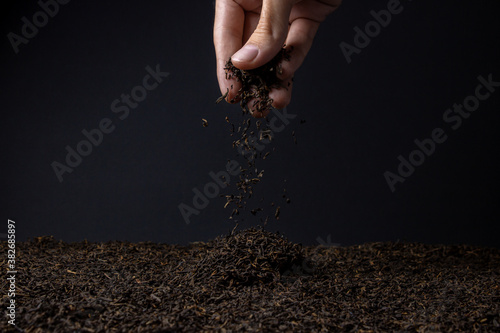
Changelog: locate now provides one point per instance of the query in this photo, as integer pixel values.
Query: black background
(360, 117)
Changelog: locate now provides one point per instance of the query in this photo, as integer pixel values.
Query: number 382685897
(12, 243)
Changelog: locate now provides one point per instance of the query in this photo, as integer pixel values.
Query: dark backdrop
(359, 118)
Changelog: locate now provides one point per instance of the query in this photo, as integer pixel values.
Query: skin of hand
(251, 33)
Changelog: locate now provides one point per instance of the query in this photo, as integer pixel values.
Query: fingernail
(246, 53)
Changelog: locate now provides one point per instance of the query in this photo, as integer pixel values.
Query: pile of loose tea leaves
(147, 287)
(246, 258)
(252, 135)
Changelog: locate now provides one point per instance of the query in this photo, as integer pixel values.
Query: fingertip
(244, 57)
(230, 89)
(281, 97)
(233, 93)
(257, 108)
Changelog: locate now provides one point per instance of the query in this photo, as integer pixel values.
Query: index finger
(228, 38)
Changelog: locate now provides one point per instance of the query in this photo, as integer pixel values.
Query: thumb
(268, 37)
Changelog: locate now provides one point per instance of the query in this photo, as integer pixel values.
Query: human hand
(262, 27)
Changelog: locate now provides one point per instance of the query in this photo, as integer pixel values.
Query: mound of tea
(247, 257)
